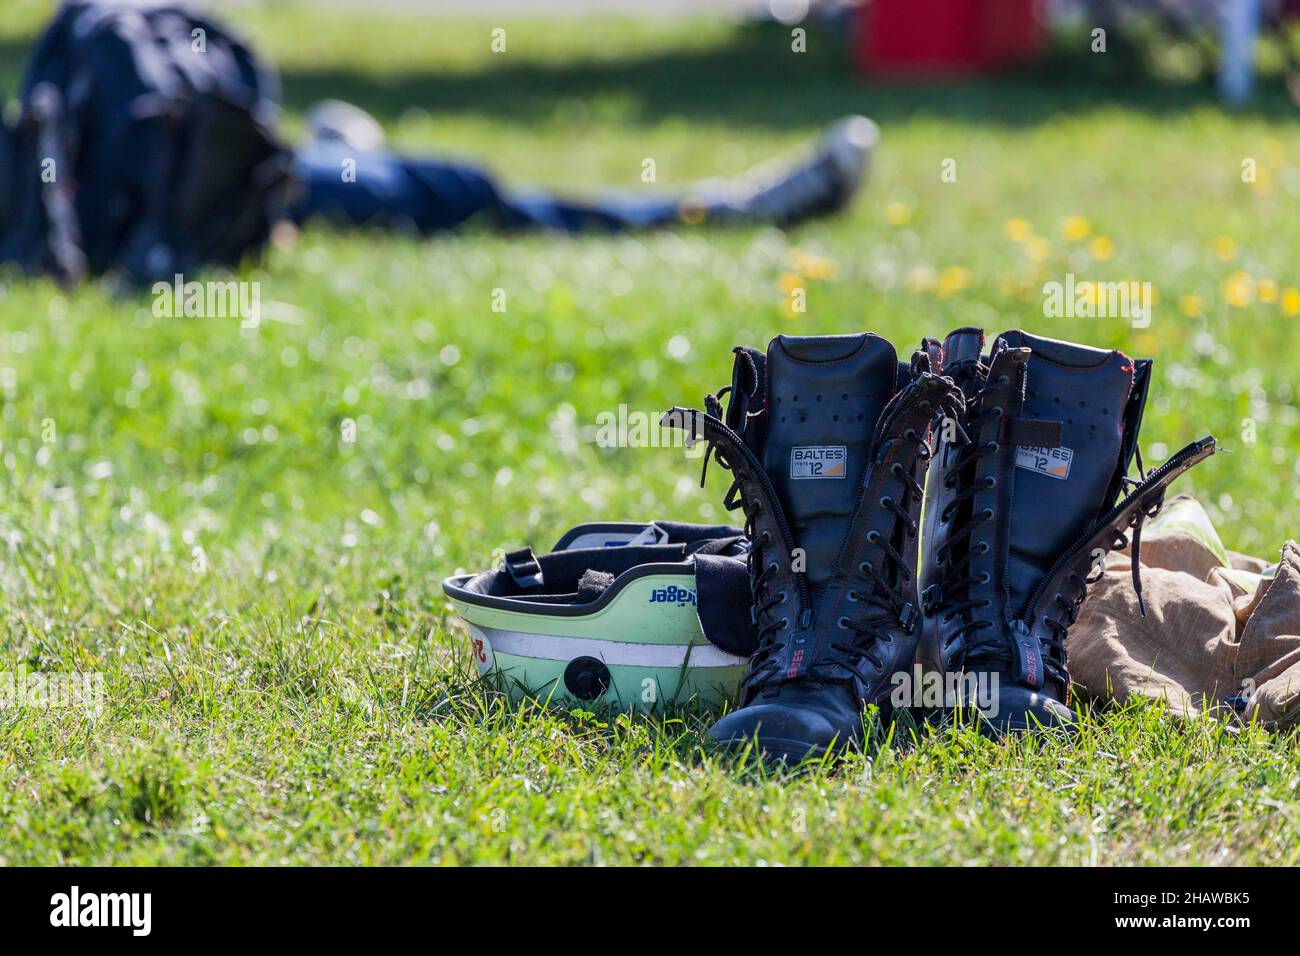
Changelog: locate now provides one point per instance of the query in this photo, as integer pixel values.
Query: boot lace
(884, 603)
(973, 638)
(767, 621)
(1071, 598)
(764, 617)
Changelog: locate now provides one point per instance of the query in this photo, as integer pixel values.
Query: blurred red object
(948, 36)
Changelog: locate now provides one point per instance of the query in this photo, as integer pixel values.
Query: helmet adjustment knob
(586, 678)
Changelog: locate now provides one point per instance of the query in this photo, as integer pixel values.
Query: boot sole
(994, 730)
(790, 752)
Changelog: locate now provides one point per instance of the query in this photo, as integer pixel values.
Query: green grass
(296, 690)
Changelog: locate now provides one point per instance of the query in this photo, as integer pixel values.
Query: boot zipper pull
(805, 619)
(1137, 561)
(1028, 656)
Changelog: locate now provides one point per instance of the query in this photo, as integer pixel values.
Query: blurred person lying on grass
(349, 178)
(146, 144)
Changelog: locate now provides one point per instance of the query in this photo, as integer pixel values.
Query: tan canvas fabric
(1212, 631)
(1269, 657)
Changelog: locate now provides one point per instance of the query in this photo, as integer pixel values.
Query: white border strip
(549, 647)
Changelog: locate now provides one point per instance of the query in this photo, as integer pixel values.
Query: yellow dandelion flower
(788, 282)
(692, 213)
(1017, 230)
(1239, 290)
(811, 266)
(898, 213)
(1263, 184)
(1191, 306)
(952, 280)
(1075, 229)
(1291, 301)
(1266, 291)
(1225, 248)
(822, 269)
(1101, 248)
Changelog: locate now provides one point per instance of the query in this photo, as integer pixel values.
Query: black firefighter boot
(1021, 511)
(825, 437)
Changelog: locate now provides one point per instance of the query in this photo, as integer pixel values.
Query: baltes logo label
(818, 461)
(672, 595)
(1052, 462)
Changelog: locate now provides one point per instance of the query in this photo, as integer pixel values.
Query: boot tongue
(1061, 489)
(962, 347)
(961, 359)
(825, 395)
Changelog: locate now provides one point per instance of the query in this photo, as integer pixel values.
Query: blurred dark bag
(145, 145)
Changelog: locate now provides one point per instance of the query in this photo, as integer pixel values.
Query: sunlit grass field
(180, 512)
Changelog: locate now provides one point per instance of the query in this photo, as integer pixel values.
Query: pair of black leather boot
(861, 596)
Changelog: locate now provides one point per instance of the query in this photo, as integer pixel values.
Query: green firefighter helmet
(611, 617)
